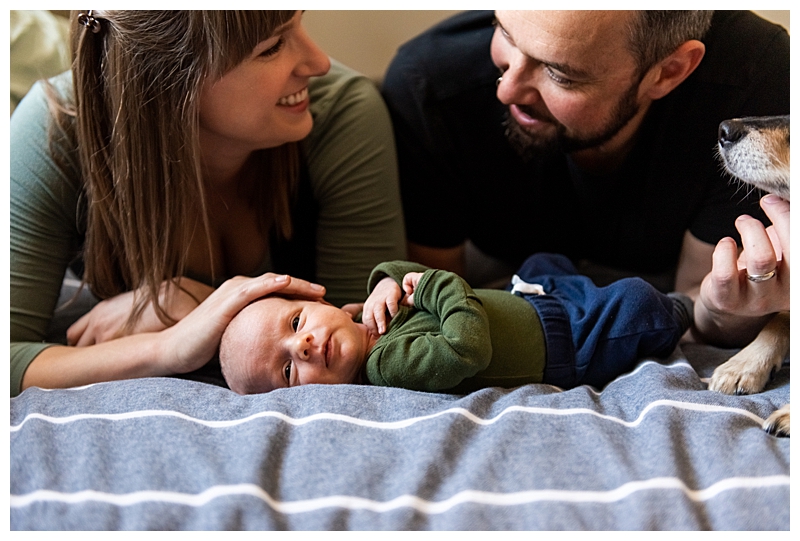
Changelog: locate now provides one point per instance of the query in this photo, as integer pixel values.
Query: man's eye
(287, 373)
(295, 323)
(563, 81)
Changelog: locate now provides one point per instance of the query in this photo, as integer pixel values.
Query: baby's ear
(353, 309)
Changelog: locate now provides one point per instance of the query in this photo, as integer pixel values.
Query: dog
(755, 150)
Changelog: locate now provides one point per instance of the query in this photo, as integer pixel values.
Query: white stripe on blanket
(391, 425)
(424, 506)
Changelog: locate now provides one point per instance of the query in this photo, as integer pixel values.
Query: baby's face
(283, 343)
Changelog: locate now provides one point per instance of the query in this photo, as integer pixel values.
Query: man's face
(568, 78)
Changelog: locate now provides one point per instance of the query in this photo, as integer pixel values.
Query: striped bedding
(652, 450)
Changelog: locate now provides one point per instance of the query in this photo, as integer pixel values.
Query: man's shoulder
(740, 45)
(448, 58)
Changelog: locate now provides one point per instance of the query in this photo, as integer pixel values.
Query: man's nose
(517, 84)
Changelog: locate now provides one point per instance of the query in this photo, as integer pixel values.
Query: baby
(551, 326)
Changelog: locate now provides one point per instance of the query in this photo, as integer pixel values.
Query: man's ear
(667, 74)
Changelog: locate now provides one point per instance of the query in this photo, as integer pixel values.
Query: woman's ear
(667, 74)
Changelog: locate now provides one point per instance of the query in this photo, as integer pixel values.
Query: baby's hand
(410, 282)
(385, 296)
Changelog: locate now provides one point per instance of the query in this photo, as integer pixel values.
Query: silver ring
(499, 80)
(761, 277)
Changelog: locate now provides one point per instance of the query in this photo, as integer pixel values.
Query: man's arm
(693, 265)
(449, 259)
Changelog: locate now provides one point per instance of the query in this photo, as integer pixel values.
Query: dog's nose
(731, 131)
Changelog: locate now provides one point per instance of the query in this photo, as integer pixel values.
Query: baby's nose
(303, 346)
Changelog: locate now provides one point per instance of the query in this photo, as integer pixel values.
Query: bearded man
(586, 133)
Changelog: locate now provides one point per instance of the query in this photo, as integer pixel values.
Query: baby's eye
(295, 323)
(287, 373)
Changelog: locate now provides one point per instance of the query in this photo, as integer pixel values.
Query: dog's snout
(731, 131)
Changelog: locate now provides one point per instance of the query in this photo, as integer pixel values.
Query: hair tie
(88, 20)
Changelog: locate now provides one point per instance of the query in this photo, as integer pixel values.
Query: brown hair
(135, 117)
(654, 35)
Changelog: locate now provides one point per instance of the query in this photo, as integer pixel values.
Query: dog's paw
(740, 375)
(777, 424)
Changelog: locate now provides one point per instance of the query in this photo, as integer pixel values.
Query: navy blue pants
(594, 334)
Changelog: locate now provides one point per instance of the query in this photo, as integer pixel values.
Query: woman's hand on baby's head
(384, 298)
(192, 342)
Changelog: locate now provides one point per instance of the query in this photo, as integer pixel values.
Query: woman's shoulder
(32, 117)
(349, 116)
(342, 89)
(40, 165)
(37, 96)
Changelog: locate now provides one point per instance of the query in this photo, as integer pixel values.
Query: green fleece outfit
(456, 339)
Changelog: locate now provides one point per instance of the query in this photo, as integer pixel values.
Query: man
(586, 133)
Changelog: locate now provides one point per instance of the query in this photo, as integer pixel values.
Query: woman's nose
(314, 62)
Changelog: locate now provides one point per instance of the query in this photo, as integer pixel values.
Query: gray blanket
(653, 450)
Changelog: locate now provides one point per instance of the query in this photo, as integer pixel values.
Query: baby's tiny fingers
(380, 320)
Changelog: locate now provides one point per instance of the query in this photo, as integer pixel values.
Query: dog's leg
(749, 370)
(778, 422)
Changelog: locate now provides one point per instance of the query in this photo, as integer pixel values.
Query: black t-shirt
(460, 178)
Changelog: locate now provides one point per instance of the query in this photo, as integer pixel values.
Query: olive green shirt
(456, 339)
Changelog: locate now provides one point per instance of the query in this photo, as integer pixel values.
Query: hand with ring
(743, 288)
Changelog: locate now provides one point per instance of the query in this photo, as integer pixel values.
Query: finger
(408, 284)
(368, 319)
(77, 329)
(236, 293)
(392, 306)
(772, 233)
(380, 319)
(777, 210)
(303, 288)
(724, 273)
(86, 339)
(759, 256)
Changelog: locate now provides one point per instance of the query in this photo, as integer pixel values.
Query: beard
(530, 146)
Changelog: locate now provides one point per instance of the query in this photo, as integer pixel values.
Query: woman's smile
(294, 99)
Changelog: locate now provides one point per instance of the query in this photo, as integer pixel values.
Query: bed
(652, 450)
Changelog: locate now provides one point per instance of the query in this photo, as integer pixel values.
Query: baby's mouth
(294, 99)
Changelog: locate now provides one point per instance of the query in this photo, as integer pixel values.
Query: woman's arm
(107, 320)
(179, 349)
(45, 226)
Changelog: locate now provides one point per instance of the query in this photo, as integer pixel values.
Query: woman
(185, 148)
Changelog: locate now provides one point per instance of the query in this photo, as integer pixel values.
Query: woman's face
(263, 101)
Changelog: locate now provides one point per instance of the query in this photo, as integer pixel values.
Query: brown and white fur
(756, 151)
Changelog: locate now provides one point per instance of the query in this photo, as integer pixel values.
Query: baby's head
(280, 342)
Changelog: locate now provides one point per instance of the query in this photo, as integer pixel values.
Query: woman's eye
(287, 373)
(295, 323)
(275, 48)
